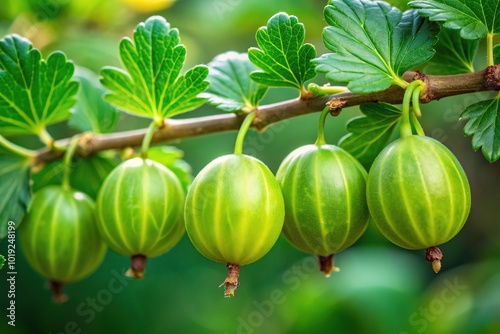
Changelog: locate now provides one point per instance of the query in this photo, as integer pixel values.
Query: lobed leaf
(474, 18)
(92, 112)
(151, 84)
(454, 54)
(483, 124)
(373, 44)
(15, 196)
(231, 89)
(369, 134)
(33, 92)
(284, 59)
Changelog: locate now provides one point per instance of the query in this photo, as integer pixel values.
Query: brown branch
(437, 87)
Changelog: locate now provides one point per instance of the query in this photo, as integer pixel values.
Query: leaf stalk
(18, 150)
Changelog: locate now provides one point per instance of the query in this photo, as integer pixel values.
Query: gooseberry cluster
(321, 201)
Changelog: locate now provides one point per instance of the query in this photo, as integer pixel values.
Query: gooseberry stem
(326, 264)
(405, 128)
(238, 147)
(231, 282)
(416, 124)
(68, 156)
(416, 100)
(321, 127)
(146, 141)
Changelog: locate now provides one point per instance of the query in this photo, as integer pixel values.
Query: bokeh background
(380, 289)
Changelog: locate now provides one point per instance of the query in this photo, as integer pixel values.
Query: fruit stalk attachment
(231, 282)
(238, 147)
(326, 264)
(57, 290)
(412, 94)
(321, 127)
(68, 156)
(137, 266)
(434, 255)
(147, 139)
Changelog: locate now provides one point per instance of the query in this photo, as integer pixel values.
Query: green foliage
(483, 124)
(15, 196)
(496, 54)
(474, 18)
(171, 158)
(454, 54)
(33, 92)
(152, 85)
(2, 261)
(369, 134)
(284, 59)
(91, 112)
(87, 174)
(373, 44)
(231, 89)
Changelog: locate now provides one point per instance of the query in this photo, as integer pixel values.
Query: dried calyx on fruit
(417, 191)
(139, 209)
(325, 200)
(234, 210)
(59, 235)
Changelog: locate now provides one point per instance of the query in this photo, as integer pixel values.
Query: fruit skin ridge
(234, 210)
(324, 189)
(140, 208)
(418, 193)
(59, 235)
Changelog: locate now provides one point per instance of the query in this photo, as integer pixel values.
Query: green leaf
(2, 261)
(496, 54)
(454, 55)
(283, 58)
(15, 193)
(87, 174)
(474, 18)
(484, 127)
(171, 158)
(152, 85)
(33, 92)
(369, 134)
(373, 44)
(231, 89)
(91, 112)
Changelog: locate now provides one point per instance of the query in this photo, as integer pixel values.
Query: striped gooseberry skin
(418, 193)
(234, 210)
(59, 235)
(324, 189)
(140, 207)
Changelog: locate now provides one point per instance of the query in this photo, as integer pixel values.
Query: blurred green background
(381, 288)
